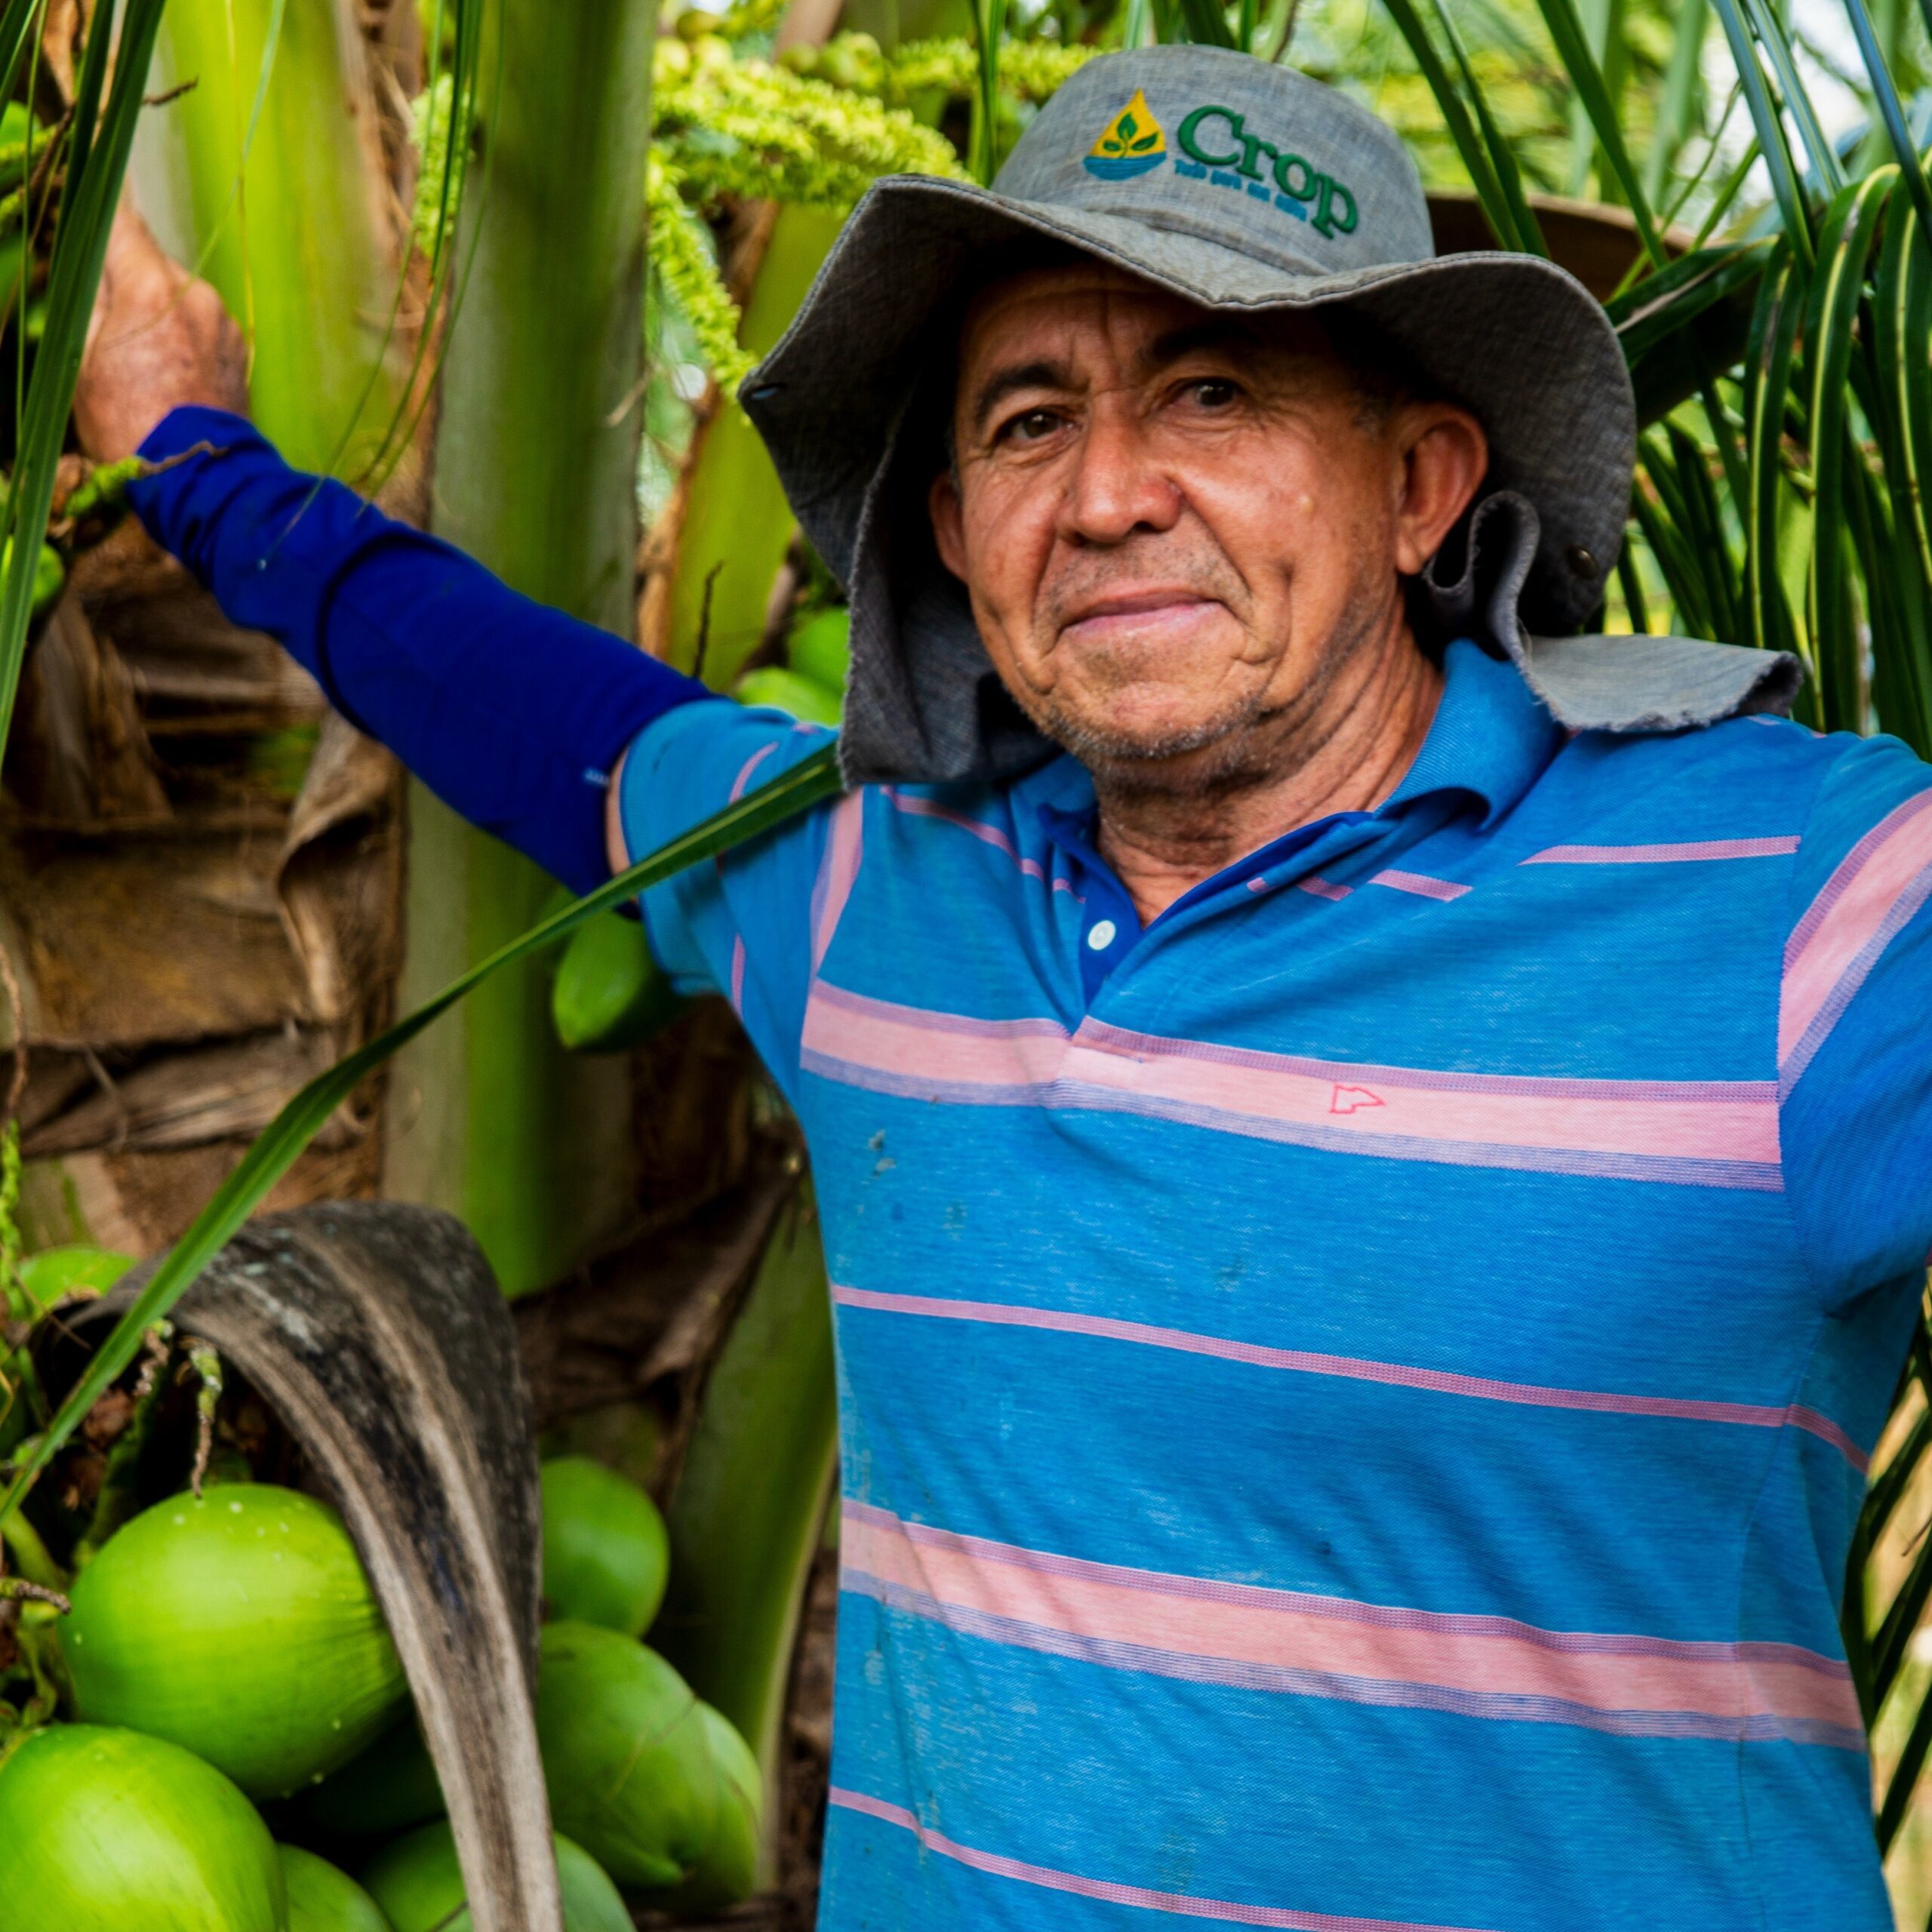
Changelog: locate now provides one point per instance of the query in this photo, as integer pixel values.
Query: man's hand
(159, 338)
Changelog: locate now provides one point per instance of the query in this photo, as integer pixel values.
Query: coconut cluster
(227, 1670)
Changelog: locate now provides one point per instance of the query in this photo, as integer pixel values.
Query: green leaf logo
(1132, 143)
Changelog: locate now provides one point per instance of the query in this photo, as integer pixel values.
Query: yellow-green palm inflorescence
(770, 131)
(429, 135)
(682, 256)
(728, 124)
(1029, 70)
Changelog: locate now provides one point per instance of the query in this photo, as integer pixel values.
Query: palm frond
(100, 139)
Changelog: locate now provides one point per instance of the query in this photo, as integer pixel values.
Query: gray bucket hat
(1243, 186)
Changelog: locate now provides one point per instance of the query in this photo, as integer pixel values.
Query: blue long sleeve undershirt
(512, 713)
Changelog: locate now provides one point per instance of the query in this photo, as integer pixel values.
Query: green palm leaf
(1769, 29)
(1691, 331)
(1779, 309)
(1478, 154)
(1527, 233)
(1891, 111)
(1765, 120)
(1847, 238)
(1902, 309)
(1593, 93)
(97, 158)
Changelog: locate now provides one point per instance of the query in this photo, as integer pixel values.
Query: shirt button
(1100, 935)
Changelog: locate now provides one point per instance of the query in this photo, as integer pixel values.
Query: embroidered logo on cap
(1217, 144)
(1216, 147)
(1131, 143)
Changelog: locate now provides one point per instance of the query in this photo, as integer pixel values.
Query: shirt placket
(1111, 933)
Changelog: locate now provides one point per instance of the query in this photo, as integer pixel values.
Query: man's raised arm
(513, 714)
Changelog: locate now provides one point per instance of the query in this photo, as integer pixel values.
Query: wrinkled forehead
(1060, 289)
(1065, 308)
(1081, 318)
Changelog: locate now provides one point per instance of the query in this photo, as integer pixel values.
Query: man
(1375, 1197)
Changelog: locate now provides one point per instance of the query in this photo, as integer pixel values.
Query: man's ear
(1445, 456)
(948, 519)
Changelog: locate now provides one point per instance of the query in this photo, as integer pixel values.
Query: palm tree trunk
(288, 222)
(536, 460)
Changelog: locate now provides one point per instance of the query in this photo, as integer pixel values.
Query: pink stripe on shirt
(1876, 887)
(987, 835)
(1300, 1644)
(1180, 1904)
(1353, 1368)
(1664, 855)
(1424, 1114)
(838, 871)
(1420, 884)
(750, 765)
(914, 807)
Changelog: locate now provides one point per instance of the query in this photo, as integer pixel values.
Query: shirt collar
(1491, 737)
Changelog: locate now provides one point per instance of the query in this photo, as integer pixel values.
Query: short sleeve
(1855, 1023)
(741, 925)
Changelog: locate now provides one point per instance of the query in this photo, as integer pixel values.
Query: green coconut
(728, 1870)
(49, 1277)
(606, 1554)
(418, 1883)
(610, 994)
(785, 690)
(55, 1273)
(820, 649)
(49, 574)
(321, 1899)
(626, 1757)
(108, 1831)
(240, 1627)
(385, 1787)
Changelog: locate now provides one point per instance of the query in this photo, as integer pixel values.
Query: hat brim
(1513, 338)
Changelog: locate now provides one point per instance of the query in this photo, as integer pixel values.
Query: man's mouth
(1138, 613)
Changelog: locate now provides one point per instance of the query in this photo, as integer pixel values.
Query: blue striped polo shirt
(1353, 1398)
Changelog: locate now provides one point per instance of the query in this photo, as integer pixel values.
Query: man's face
(1177, 527)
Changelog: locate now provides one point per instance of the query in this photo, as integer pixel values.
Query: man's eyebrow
(1003, 383)
(1222, 332)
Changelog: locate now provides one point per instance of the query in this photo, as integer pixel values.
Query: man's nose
(1118, 489)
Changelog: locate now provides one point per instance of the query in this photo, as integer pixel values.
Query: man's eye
(1214, 392)
(1030, 427)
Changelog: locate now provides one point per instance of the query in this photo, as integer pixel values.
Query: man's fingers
(158, 338)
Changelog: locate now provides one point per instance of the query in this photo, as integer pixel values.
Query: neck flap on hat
(1625, 684)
